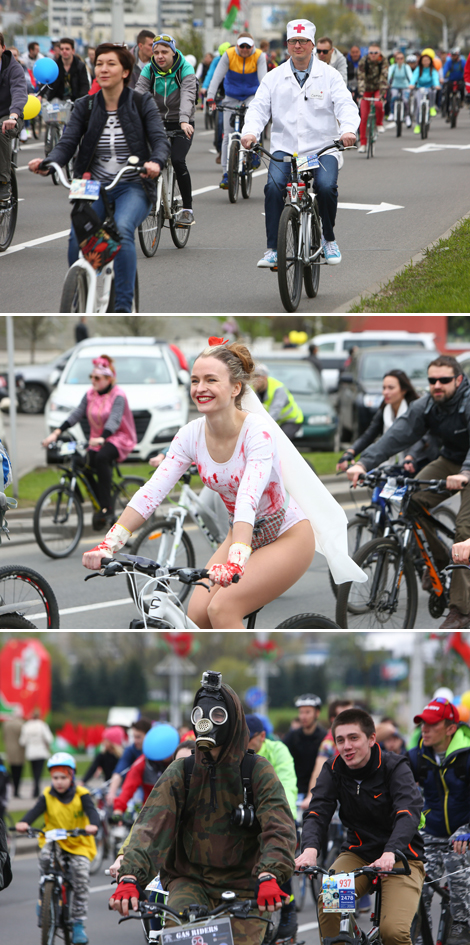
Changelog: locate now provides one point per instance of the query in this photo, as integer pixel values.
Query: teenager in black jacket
(72, 81)
(107, 128)
(380, 809)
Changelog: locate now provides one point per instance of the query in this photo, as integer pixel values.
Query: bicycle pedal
(273, 268)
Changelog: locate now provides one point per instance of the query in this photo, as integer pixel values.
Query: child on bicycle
(67, 806)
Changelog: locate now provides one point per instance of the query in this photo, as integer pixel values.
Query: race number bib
(339, 893)
(57, 834)
(84, 189)
(211, 932)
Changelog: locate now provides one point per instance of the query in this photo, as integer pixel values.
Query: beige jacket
(11, 736)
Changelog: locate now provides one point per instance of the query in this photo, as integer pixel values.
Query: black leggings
(101, 463)
(180, 146)
(36, 770)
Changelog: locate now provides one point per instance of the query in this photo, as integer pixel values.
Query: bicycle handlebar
(110, 567)
(36, 832)
(45, 165)
(374, 476)
(363, 870)
(337, 143)
(237, 907)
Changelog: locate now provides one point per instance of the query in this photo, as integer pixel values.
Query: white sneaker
(362, 149)
(390, 118)
(23, 135)
(331, 251)
(408, 121)
(381, 129)
(269, 260)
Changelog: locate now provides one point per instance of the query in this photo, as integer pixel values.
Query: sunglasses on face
(244, 46)
(374, 54)
(96, 377)
(302, 42)
(442, 380)
(322, 52)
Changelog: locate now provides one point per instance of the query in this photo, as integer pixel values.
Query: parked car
(360, 386)
(304, 382)
(464, 359)
(334, 349)
(146, 371)
(38, 382)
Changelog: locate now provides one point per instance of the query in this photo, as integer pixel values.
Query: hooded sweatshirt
(192, 837)
(446, 786)
(175, 102)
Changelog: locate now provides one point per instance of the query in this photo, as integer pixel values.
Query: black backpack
(246, 771)
(6, 875)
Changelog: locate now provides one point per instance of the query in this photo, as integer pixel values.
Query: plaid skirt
(266, 529)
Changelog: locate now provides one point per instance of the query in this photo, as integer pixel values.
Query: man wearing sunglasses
(310, 107)
(445, 414)
(241, 69)
(328, 53)
(441, 766)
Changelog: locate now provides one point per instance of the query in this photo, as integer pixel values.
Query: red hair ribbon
(213, 341)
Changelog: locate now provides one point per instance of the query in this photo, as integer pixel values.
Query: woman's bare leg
(197, 608)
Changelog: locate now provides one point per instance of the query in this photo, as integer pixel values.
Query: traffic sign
(254, 697)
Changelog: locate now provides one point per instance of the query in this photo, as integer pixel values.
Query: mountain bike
(58, 517)
(9, 207)
(299, 248)
(240, 160)
(165, 610)
(374, 520)
(86, 289)
(55, 888)
(55, 116)
(389, 599)
(166, 207)
(371, 128)
(23, 592)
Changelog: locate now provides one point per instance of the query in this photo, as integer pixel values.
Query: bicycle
(9, 207)
(56, 115)
(371, 127)
(299, 248)
(55, 888)
(453, 101)
(422, 110)
(22, 590)
(390, 597)
(240, 160)
(86, 289)
(374, 520)
(399, 108)
(58, 517)
(165, 610)
(166, 207)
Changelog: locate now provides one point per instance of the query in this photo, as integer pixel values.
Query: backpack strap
(246, 771)
(189, 763)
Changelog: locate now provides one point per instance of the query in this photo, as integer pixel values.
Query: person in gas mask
(199, 829)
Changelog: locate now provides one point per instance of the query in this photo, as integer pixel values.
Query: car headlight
(372, 400)
(319, 419)
(56, 406)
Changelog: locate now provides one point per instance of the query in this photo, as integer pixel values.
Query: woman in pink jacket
(112, 431)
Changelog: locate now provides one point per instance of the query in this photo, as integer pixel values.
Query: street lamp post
(440, 16)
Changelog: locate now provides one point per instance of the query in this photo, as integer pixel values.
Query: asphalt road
(427, 181)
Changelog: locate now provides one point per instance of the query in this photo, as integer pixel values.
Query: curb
(378, 286)
(25, 846)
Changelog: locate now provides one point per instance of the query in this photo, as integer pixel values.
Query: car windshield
(300, 377)
(415, 364)
(131, 369)
(383, 342)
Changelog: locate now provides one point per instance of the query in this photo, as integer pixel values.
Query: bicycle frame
(190, 503)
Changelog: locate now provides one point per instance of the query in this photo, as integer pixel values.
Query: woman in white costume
(238, 451)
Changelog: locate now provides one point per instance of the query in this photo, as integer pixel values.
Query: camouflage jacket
(372, 76)
(184, 836)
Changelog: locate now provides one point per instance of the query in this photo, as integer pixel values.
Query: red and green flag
(233, 7)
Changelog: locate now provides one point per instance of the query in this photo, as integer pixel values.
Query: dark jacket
(372, 75)
(136, 70)
(446, 787)
(448, 422)
(13, 90)
(181, 835)
(352, 68)
(5, 862)
(380, 815)
(423, 452)
(146, 139)
(78, 80)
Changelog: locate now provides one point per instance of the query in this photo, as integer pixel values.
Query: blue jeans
(131, 206)
(326, 186)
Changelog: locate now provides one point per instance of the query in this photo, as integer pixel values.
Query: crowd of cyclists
(202, 834)
(126, 101)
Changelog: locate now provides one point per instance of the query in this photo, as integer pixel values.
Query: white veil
(328, 519)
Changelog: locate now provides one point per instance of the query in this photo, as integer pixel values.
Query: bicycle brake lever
(201, 584)
(96, 574)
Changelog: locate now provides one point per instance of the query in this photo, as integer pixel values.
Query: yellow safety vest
(69, 816)
(291, 411)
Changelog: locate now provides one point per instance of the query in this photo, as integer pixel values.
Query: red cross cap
(299, 27)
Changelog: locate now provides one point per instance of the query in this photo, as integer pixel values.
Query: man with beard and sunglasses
(445, 413)
(213, 826)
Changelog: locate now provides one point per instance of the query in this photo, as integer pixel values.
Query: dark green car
(317, 432)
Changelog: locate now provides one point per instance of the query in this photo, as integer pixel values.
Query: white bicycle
(167, 206)
(85, 289)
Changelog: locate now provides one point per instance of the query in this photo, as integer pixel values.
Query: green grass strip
(440, 282)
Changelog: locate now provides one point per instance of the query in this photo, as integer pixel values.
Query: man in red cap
(441, 766)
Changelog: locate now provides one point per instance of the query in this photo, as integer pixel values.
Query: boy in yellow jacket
(68, 806)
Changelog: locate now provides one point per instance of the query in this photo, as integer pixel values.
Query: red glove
(125, 892)
(269, 893)
(223, 574)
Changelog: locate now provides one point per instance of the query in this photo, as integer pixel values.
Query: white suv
(334, 348)
(146, 370)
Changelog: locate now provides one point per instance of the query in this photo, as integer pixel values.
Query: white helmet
(308, 699)
(444, 693)
(192, 60)
(62, 759)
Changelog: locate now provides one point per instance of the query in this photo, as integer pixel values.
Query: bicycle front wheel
(179, 234)
(8, 215)
(26, 593)
(233, 179)
(454, 111)
(389, 599)
(422, 120)
(289, 265)
(247, 176)
(74, 291)
(370, 138)
(58, 522)
(308, 622)
(399, 118)
(150, 231)
(49, 914)
(312, 272)
(11, 837)
(126, 488)
(156, 541)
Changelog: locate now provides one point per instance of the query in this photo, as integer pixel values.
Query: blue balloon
(46, 71)
(160, 742)
(457, 700)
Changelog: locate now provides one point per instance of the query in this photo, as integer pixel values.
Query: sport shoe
(381, 129)
(456, 620)
(255, 161)
(287, 930)
(390, 117)
(79, 936)
(23, 135)
(426, 582)
(331, 251)
(416, 130)
(185, 218)
(459, 934)
(269, 260)
(362, 149)
(408, 121)
(224, 182)
(218, 158)
(432, 112)
(365, 904)
(4, 190)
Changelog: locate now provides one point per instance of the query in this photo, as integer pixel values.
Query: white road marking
(87, 607)
(38, 242)
(201, 133)
(308, 927)
(107, 887)
(426, 148)
(370, 207)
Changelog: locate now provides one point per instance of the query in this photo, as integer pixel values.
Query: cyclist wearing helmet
(305, 741)
(66, 805)
(158, 748)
